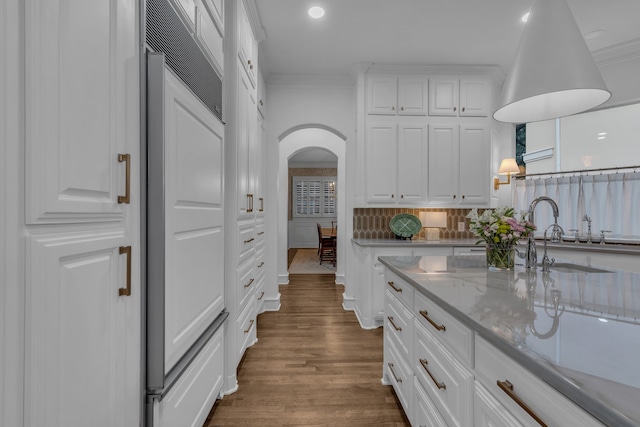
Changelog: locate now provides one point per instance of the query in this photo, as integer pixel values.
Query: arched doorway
(293, 141)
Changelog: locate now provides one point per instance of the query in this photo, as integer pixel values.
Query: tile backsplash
(373, 223)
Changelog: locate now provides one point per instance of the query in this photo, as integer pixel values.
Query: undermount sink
(566, 267)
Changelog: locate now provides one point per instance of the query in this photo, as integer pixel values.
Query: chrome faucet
(556, 234)
(587, 218)
(532, 254)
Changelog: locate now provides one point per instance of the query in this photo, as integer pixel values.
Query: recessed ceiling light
(593, 34)
(525, 17)
(316, 12)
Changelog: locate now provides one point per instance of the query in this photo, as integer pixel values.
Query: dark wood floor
(312, 366)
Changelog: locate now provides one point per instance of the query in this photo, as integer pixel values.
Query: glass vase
(500, 257)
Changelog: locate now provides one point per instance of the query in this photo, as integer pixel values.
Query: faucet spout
(532, 255)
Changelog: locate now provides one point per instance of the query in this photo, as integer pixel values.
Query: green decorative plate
(405, 225)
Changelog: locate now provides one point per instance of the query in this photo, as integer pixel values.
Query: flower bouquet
(500, 230)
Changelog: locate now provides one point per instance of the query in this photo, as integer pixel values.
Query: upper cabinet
(247, 45)
(467, 97)
(403, 96)
(459, 165)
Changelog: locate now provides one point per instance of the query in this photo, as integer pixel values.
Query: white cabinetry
(459, 165)
(403, 96)
(526, 397)
(399, 163)
(396, 156)
(459, 97)
(82, 288)
(459, 378)
(245, 260)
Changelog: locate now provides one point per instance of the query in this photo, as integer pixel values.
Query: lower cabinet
(190, 400)
(445, 374)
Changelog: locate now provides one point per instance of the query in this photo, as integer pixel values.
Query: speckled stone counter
(577, 328)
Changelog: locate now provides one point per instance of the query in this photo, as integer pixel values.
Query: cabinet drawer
(246, 283)
(474, 250)
(549, 405)
(246, 241)
(246, 329)
(425, 413)
(260, 227)
(453, 334)
(449, 384)
(488, 412)
(401, 289)
(399, 375)
(398, 325)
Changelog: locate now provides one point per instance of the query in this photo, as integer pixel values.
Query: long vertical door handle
(127, 159)
(127, 290)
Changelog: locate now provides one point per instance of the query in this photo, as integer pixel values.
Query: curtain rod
(578, 171)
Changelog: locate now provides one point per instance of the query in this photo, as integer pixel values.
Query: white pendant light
(554, 74)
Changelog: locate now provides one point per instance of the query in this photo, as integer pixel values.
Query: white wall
(300, 102)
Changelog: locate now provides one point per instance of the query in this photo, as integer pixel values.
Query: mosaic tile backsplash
(373, 223)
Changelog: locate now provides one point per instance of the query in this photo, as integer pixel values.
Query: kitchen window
(314, 196)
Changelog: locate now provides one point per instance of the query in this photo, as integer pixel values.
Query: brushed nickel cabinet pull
(401, 108)
(261, 204)
(249, 240)
(463, 197)
(393, 323)
(454, 196)
(261, 264)
(455, 108)
(249, 284)
(392, 196)
(246, 331)
(398, 380)
(463, 109)
(394, 287)
(127, 159)
(393, 108)
(507, 387)
(260, 233)
(127, 290)
(249, 203)
(402, 196)
(261, 296)
(425, 314)
(440, 385)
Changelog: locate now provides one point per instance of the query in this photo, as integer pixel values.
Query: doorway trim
(290, 143)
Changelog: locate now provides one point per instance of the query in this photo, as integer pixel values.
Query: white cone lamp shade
(554, 74)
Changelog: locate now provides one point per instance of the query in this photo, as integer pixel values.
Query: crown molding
(617, 53)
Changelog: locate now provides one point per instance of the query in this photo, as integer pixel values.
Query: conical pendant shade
(554, 74)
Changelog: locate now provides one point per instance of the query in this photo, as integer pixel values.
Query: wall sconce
(507, 167)
(433, 221)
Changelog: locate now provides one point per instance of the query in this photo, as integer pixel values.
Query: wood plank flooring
(312, 366)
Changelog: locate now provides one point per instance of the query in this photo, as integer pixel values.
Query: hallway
(312, 366)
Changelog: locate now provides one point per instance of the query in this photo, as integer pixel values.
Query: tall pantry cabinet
(81, 217)
(244, 258)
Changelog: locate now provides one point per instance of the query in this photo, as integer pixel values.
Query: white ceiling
(421, 32)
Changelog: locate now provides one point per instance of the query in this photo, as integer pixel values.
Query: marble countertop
(576, 328)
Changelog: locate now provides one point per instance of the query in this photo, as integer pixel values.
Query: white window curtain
(314, 196)
(611, 201)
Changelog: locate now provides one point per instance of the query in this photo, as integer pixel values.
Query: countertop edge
(596, 408)
(584, 247)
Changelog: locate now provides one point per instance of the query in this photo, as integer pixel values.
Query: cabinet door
(443, 164)
(81, 367)
(475, 98)
(242, 145)
(475, 165)
(412, 96)
(412, 164)
(82, 339)
(380, 162)
(382, 95)
(194, 240)
(443, 97)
